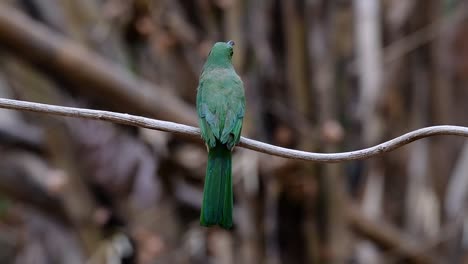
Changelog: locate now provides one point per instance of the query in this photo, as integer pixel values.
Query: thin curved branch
(190, 131)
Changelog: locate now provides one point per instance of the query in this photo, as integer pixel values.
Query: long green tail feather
(217, 193)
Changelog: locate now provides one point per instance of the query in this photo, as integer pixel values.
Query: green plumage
(220, 108)
(217, 198)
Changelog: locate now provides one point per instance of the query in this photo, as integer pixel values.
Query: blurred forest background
(320, 75)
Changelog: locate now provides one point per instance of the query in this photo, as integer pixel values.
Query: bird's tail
(217, 193)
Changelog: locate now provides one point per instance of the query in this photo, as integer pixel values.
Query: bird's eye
(231, 53)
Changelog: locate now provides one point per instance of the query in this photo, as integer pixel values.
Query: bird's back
(221, 102)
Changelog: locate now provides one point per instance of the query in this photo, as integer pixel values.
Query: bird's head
(221, 54)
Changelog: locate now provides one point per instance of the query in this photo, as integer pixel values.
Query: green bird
(220, 108)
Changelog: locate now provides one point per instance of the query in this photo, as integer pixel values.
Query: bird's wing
(234, 114)
(206, 118)
(220, 107)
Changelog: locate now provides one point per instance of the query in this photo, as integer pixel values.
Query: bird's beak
(231, 43)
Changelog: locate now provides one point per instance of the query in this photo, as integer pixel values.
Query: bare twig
(190, 131)
(92, 74)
